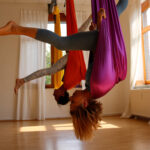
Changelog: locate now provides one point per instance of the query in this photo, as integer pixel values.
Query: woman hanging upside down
(85, 110)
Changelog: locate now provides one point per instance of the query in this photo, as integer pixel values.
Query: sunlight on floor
(63, 127)
(33, 129)
(104, 125)
(67, 126)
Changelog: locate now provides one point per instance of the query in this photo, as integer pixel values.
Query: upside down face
(79, 98)
(58, 93)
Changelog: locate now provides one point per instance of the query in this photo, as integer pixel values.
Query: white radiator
(140, 102)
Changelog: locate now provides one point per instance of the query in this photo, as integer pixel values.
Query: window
(146, 39)
(50, 49)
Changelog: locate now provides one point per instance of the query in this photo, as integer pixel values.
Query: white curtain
(136, 57)
(31, 97)
(136, 49)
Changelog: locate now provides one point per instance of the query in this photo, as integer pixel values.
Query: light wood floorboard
(115, 134)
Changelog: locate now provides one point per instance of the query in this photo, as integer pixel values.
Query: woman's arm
(84, 26)
(121, 6)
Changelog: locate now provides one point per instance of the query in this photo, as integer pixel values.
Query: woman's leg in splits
(11, 28)
(59, 65)
(78, 41)
(82, 40)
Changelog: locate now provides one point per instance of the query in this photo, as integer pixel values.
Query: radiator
(140, 102)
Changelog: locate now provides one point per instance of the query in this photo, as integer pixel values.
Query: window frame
(51, 18)
(144, 6)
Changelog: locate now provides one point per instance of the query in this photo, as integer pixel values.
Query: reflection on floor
(114, 134)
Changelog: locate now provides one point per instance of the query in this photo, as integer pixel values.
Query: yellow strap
(57, 53)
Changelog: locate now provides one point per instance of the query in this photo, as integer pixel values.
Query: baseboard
(140, 117)
(111, 115)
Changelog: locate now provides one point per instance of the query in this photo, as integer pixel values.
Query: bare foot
(9, 28)
(19, 83)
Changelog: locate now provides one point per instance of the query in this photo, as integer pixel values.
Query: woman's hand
(93, 26)
(100, 16)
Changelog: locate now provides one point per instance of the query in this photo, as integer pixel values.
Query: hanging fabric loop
(75, 69)
(110, 62)
(57, 53)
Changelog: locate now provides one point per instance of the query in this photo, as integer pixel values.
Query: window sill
(141, 87)
(47, 86)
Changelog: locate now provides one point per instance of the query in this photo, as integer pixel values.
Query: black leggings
(78, 41)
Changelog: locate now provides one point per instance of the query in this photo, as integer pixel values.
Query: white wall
(9, 59)
(113, 102)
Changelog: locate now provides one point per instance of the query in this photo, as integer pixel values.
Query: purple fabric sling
(110, 61)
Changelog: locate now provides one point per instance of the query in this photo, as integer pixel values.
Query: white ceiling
(43, 1)
(18, 1)
(79, 4)
(25, 1)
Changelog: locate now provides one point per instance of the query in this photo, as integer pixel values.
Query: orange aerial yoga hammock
(75, 70)
(57, 53)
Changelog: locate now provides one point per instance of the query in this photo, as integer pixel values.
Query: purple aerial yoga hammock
(110, 62)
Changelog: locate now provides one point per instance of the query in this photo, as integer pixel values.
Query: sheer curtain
(136, 49)
(136, 57)
(31, 97)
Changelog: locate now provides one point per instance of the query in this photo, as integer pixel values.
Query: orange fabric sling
(75, 69)
(57, 53)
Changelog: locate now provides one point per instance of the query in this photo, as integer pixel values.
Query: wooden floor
(115, 134)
